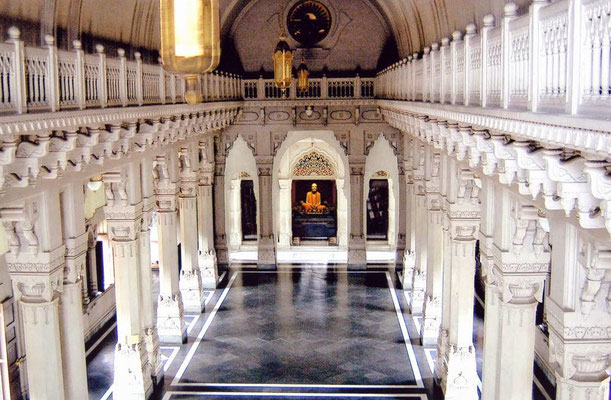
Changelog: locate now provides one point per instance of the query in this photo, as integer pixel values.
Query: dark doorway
(377, 210)
(249, 210)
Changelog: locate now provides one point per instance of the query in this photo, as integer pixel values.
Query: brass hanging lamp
(283, 59)
(190, 40)
(303, 75)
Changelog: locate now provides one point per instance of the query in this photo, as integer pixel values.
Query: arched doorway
(242, 202)
(316, 232)
(381, 211)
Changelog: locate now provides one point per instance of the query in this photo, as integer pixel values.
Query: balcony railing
(556, 58)
(319, 88)
(48, 79)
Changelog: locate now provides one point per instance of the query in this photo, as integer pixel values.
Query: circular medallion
(309, 22)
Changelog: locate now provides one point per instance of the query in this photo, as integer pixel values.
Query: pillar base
(409, 263)
(432, 321)
(170, 323)
(443, 348)
(191, 290)
(357, 255)
(132, 373)
(208, 270)
(150, 340)
(578, 390)
(418, 293)
(266, 256)
(461, 381)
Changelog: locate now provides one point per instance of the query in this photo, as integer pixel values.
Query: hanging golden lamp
(190, 40)
(302, 77)
(283, 64)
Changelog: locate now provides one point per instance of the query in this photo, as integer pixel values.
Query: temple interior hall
(305, 199)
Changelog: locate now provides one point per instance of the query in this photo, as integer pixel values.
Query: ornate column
(409, 258)
(420, 256)
(235, 214)
(284, 203)
(220, 237)
(71, 307)
(123, 211)
(92, 276)
(190, 276)
(456, 351)
(205, 219)
(170, 324)
(521, 263)
(402, 204)
(149, 327)
(434, 284)
(357, 257)
(36, 265)
(577, 309)
(266, 245)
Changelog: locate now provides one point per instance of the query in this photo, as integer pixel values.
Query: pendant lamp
(302, 77)
(283, 64)
(190, 40)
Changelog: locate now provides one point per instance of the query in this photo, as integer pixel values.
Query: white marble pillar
(580, 262)
(190, 277)
(402, 204)
(205, 230)
(266, 245)
(71, 307)
(434, 255)
(284, 204)
(123, 212)
(235, 214)
(31, 227)
(434, 285)
(521, 263)
(357, 256)
(220, 236)
(41, 329)
(148, 323)
(170, 323)
(418, 294)
(409, 257)
(457, 353)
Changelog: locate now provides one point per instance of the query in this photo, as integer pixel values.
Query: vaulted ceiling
(412, 23)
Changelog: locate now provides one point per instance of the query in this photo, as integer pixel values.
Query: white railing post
(574, 41)
(488, 21)
(260, 88)
(324, 87)
(426, 75)
(205, 87)
(293, 89)
(357, 87)
(18, 81)
(161, 81)
(407, 78)
(535, 55)
(413, 83)
(79, 75)
(471, 31)
(173, 88)
(102, 77)
(445, 47)
(52, 81)
(139, 82)
(122, 77)
(456, 39)
(511, 12)
(434, 80)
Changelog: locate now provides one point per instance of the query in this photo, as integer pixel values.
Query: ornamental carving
(314, 164)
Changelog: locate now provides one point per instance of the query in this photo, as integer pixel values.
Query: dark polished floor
(302, 332)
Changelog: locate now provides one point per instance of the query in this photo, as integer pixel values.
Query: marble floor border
(420, 396)
(399, 313)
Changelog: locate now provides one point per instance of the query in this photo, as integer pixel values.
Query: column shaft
(43, 349)
(266, 245)
(419, 277)
(205, 221)
(72, 340)
(170, 324)
(434, 283)
(357, 256)
(190, 277)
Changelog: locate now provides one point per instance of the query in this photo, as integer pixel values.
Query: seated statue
(313, 202)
